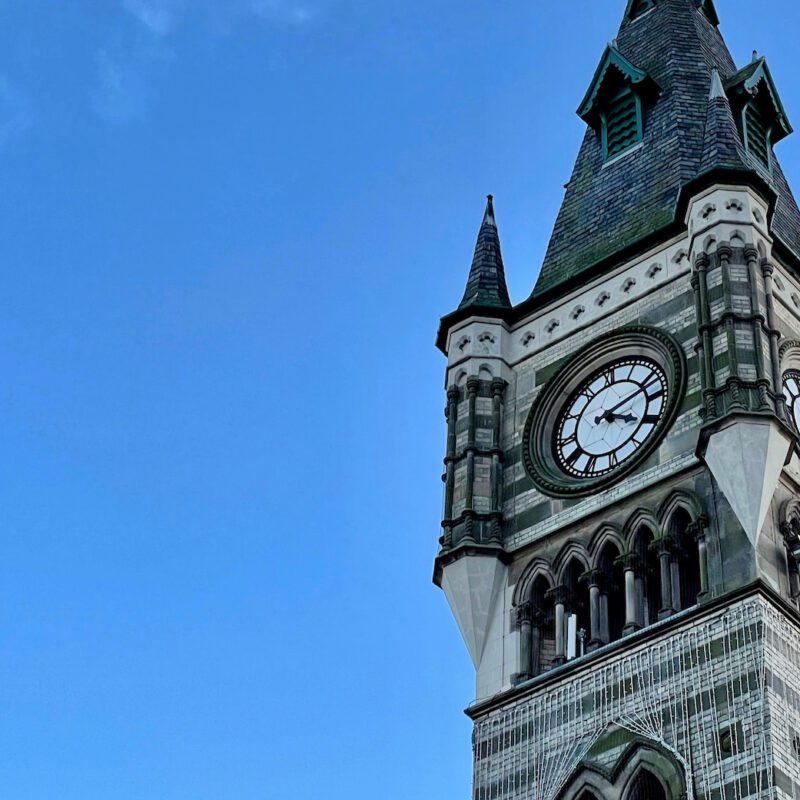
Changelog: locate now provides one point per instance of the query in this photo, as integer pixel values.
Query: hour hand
(610, 416)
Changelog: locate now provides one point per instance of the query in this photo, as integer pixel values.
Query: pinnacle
(486, 285)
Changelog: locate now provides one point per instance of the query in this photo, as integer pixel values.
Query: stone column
(560, 597)
(453, 396)
(774, 339)
(758, 320)
(631, 566)
(498, 390)
(724, 253)
(594, 580)
(704, 322)
(663, 548)
(525, 621)
(530, 621)
(473, 385)
(675, 574)
(699, 348)
(697, 530)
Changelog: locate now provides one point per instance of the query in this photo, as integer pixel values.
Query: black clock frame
(640, 341)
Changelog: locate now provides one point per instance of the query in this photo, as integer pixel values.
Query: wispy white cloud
(15, 111)
(160, 17)
(127, 69)
(125, 77)
(121, 94)
(283, 10)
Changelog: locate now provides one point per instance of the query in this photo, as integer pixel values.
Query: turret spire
(722, 145)
(486, 285)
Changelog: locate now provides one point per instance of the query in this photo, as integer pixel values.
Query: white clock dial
(791, 391)
(610, 416)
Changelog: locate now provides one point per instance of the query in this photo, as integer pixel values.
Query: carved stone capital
(724, 251)
(751, 252)
(498, 387)
(560, 596)
(663, 546)
(631, 562)
(528, 612)
(702, 261)
(473, 384)
(767, 268)
(453, 394)
(697, 530)
(594, 577)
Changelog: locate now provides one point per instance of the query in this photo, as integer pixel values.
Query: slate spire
(486, 285)
(615, 207)
(722, 144)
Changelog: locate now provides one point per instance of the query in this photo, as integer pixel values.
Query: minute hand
(630, 397)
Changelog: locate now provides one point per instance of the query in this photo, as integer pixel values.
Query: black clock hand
(610, 416)
(641, 389)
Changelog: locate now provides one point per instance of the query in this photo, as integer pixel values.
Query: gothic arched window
(649, 579)
(687, 560)
(612, 609)
(647, 787)
(537, 638)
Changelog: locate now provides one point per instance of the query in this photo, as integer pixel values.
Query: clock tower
(621, 536)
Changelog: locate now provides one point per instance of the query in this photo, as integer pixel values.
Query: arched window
(647, 787)
(578, 601)
(612, 609)
(687, 560)
(649, 578)
(537, 636)
(642, 772)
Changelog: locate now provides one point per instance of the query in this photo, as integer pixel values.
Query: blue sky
(228, 230)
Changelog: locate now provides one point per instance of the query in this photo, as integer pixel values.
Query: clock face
(791, 391)
(610, 416)
(604, 411)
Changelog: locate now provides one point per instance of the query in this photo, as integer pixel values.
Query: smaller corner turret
(746, 439)
(470, 566)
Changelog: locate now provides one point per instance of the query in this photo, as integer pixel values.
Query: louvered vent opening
(621, 124)
(642, 7)
(706, 8)
(757, 134)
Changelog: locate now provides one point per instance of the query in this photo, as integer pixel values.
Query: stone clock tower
(621, 536)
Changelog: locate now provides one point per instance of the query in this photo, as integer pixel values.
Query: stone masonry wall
(721, 696)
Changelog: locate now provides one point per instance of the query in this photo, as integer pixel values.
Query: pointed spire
(717, 89)
(722, 145)
(486, 285)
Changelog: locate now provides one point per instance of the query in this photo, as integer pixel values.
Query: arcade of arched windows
(620, 582)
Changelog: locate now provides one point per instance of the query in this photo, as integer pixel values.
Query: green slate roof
(486, 285)
(678, 46)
